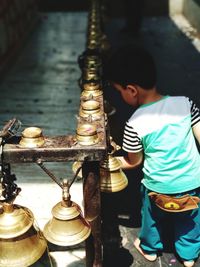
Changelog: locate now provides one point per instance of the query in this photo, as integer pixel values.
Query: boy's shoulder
(166, 105)
(155, 116)
(165, 99)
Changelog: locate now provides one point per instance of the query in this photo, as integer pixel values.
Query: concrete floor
(41, 89)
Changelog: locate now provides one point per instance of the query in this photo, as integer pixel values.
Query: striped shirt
(163, 130)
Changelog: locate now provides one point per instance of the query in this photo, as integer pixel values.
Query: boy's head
(131, 64)
(131, 67)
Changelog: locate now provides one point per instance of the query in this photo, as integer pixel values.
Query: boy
(160, 134)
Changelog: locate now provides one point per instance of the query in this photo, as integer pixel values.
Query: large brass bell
(112, 178)
(21, 242)
(67, 227)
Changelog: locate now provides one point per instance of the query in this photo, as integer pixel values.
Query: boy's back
(163, 129)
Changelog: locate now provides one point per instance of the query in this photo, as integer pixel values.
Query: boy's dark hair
(131, 64)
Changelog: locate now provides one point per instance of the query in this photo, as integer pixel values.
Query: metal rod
(49, 173)
(54, 178)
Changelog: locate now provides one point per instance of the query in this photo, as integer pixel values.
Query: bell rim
(86, 231)
(113, 185)
(30, 259)
(32, 142)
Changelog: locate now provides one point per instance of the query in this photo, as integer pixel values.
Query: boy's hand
(132, 160)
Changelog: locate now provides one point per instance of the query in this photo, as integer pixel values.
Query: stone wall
(16, 20)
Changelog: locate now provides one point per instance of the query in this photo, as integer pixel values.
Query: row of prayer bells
(112, 178)
(22, 243)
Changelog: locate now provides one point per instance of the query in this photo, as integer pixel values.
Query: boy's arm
(131, 160)
(196, 131)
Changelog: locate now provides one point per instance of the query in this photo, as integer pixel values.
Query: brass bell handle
(113, 146)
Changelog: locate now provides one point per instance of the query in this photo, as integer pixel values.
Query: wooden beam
(55, 149)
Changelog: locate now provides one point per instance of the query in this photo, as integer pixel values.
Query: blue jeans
(186, 226)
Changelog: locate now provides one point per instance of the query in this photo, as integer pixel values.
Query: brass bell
(86, 134)
(67, 227)
(93, 43)
(21, 243)
(112, 178)
(91, 70)
(94, 27)
(91, 74)
(32, 137)
(94, 18)
(91, 89)
(94, 34)
(91, 109)
(92, 60)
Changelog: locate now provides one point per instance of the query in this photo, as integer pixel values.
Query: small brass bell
(93, 43)
(91, 70)
(91, 74)
(21, 243)
(86, 134)
(91, 109)
(67, 227)
(91, 89)
(32, 137)
(93, 34)
(94, 27)
(91, 61)
(112, 178)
